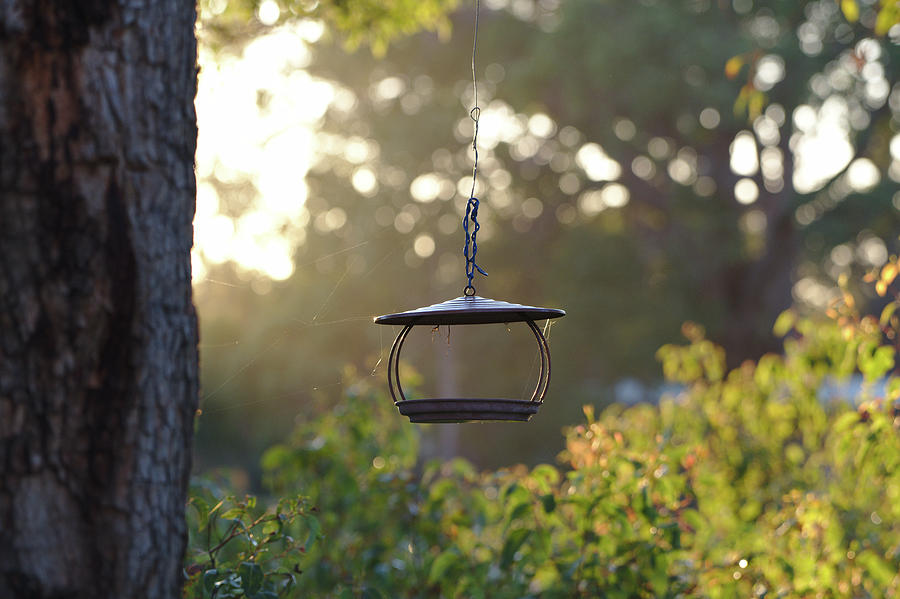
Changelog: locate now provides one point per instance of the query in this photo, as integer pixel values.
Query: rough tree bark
(98, 335)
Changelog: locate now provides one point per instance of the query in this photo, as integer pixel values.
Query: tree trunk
(98, 335)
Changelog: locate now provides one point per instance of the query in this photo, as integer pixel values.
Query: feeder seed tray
(467, 310)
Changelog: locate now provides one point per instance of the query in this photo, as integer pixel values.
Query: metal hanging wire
(471, 246)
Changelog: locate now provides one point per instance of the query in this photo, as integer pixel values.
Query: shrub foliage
(780, 478)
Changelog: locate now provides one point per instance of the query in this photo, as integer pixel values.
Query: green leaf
(845, 421)
(209, 582)
(877, 567)
(273, 526)
(513, 542)
(693, 519)
(251, 577)
(875, 362)
(441, 565)
(659, 580)
(234, 513)
(463, 469)
(545, 475)
(315, 531)
(518, 501)
(513, 488)
(549, 502)
(519, 510)
(893, 388)
(202, 512)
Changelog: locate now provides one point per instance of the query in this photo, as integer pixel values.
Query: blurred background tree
(642, 164)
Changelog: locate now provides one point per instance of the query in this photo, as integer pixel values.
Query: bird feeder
(469, 310)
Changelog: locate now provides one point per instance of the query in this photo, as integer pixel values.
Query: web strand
(475, 113)
(472, 203)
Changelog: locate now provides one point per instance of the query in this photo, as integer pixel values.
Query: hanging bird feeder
(469, 309)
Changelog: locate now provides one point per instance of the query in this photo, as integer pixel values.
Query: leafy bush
(239, 550)
(776, 479)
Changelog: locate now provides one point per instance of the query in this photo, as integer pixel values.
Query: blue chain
(471, 267)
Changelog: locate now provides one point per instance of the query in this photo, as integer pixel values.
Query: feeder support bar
(540, 390)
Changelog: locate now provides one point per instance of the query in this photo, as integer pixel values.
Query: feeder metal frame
(468, 310)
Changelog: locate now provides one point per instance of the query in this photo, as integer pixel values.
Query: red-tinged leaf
(733, 66)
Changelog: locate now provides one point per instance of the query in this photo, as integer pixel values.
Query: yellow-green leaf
(784, 323)
(755, 105)
(851, 10)
(888, 16)
(887, 313)
(889, 272)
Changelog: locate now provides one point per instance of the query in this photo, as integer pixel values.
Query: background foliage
(565, 87)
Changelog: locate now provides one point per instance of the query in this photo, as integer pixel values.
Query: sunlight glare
(207, 201)
(532, 208)
(591, 202)
(198, 268)
(769, 71)
(404, 222)
(746, 191)
(426, 188)
(424, 245)
(709, 118)
(388, 88)
(256, 114)
(365, 182)
(744, 160)
(772, 162)
(895, 147)
(872, 251)
(822, 147)
(268, 12)
(541, 125)
(214, 236)
(498, 122)
(615, 195)
(596, 164)
(863, 175)
(625, 129)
